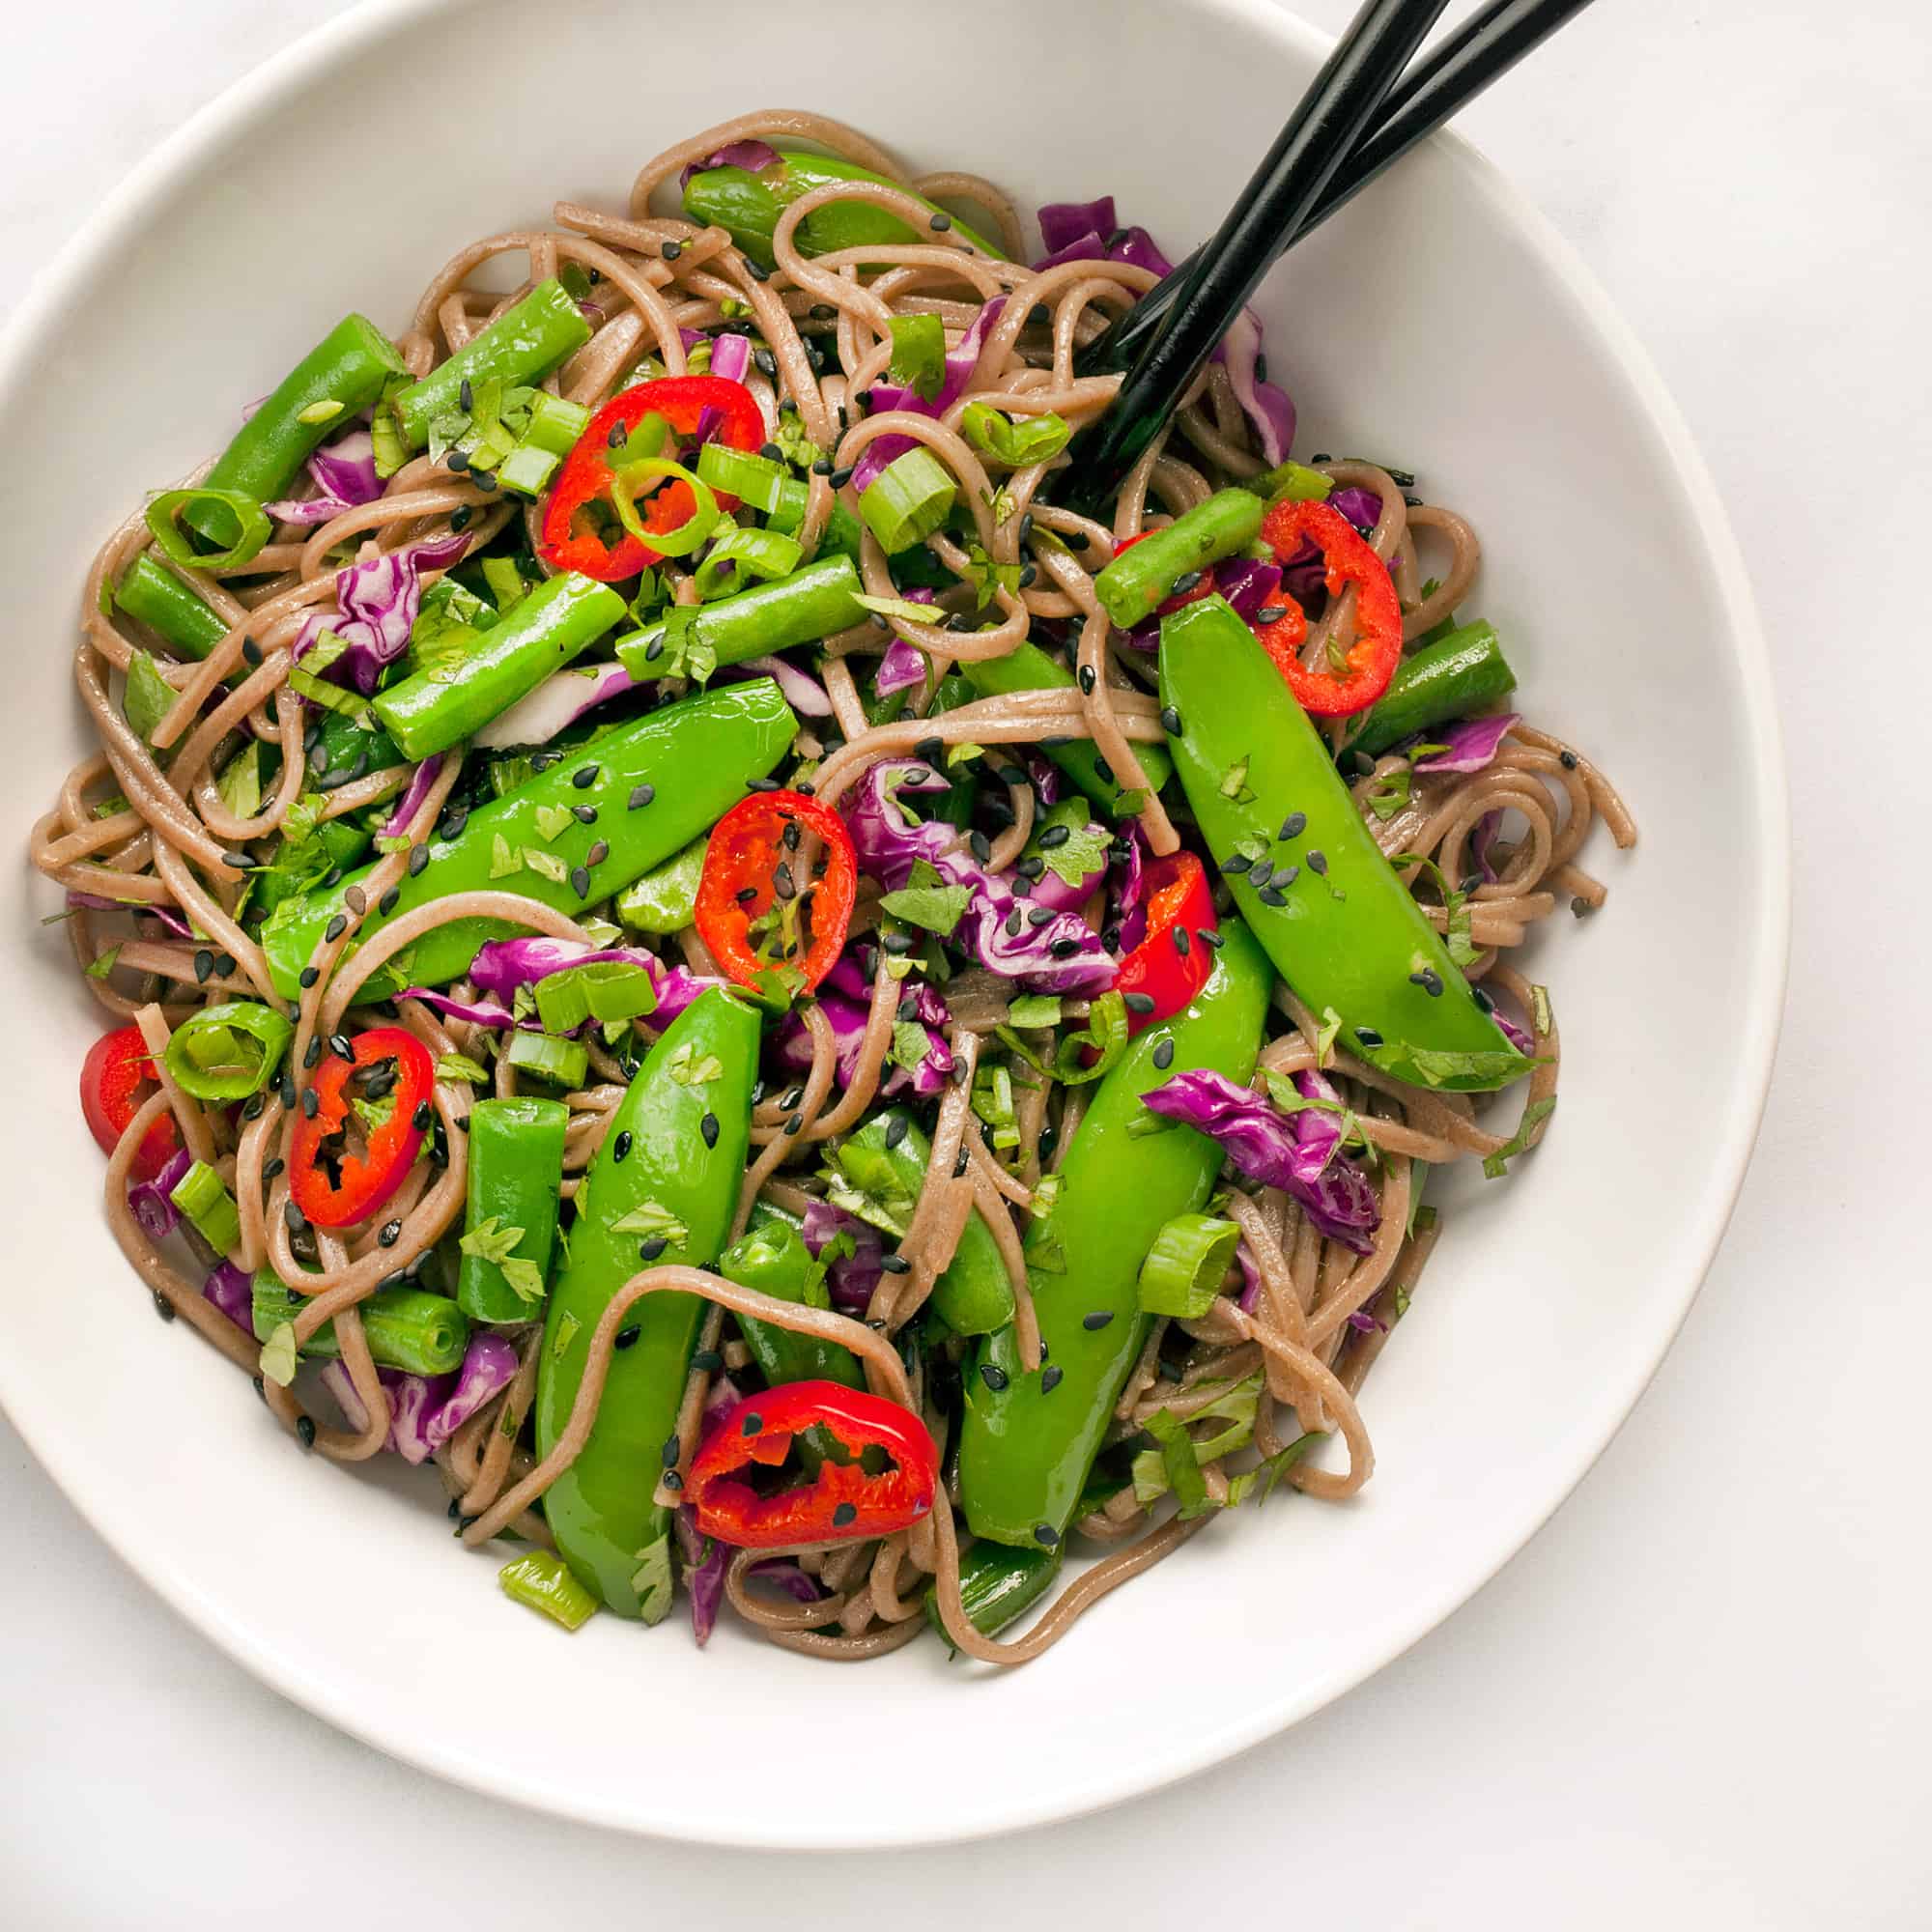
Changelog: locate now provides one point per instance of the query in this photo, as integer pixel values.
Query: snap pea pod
(1140, 580)
(662, 1188)
(998, 1583)
(1462, 672)
(447, 702)
(407, 1328)
(1341, 926)
(665, 898)
(749, 205)
(349, 749)
(772, 1258)
(152, 594)
(1027, 1441)
(974, 1295)
(344, 372)
(515, 1167)
(343, 842)
(1030, 669)
(523, 345)
(796, 610)
(655, 783)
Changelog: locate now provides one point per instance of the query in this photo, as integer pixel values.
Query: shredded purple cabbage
(1297, 1152)
(1361, 508)
(378, 603)
(1518, 1037)
(706, 1558)
(851, 1279)
(1472, 742)
(961, 359)
(731, 355)
(753, 157)
(413, 794)
(783, 1574)
(489, 1365)
(157, 1215)
(560, 700)
(231, 1292)
(1045, 777)
(901, 668)
(1251, 1277)
(503, 965)
(426, 1410)
(343, 469)
(1482, 843)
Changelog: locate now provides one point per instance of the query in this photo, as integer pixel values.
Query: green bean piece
(1030, 669)
(1140, 580)
(440, 706)
(542, 1582)
(516, 1170)
(152, 594)
(407, 1328)
(997, 1584)
(796, 610)
(1464, 672)
(343, 373)
(523, 345)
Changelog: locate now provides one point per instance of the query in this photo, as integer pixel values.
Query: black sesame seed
(204, 964)
(626, 1338)
(1045, 1535)
(1054, 836)
(1482, 999)
(1039, 916)
(650, 1250)
(1181, 945)
(1582, 908)
(1163, 1054)
(841, 477)
(1293, 825)
(307, 977)
(795, 1125)
(1028, 573)
(960, 1163)
(305, 1431)
(708, 1128)
(422, 1117)
(1567, 759)
(1110, 938)
(1260, 874)
(542, 762)
(1286, 875)
(929, 750)
(1368, 1036)
(285, 1088)
(1430, 981)
(940, 224)
(1139, 1002)
(896, 1129)
(1186, 581)
(763, 785)
(894, 1264)
(1013, 919)
(1050, 1380)
(671, 1480)
(331, 932)
(843, 1514)
(1086, 678)
(671, 250)
(252, 1109)
(389, 900)
(993, 1375)
(584, 777)
(1272, 896)
(251, 652)
(671, 1452)
(1318, 861)
(1236, 862)
(294, 1217)
(457, 459)
(620, 1147)
(708, 1361)
(458, 518)
(312, 1053)
(580, 881)
(1064, 949)
(757, 270)
(791, 1096)
(466, 397)
(164, 1307)
(1099, 1319)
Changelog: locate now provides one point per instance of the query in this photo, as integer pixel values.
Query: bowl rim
(1757, 1016)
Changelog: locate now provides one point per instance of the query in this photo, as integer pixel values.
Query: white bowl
(1439, 324)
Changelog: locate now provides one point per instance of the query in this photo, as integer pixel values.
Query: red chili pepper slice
(1377, 651)
(338, 1187)
(116, 1078)
(573, 535)
(1178, 899)
(753, 914)
(842, 1501)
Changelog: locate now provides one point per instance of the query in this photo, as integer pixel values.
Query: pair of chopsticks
(1361, 113)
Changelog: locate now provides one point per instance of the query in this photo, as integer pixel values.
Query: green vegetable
(1466, 671)
(407, 1328)
(229, 1051)
(692, 760)
(926, 901)
(752, 478)
(749, 205)
(148, 696)
(797, 610)
(772, 1258)
(157, 598)
(664, 900)
(739, 556)
(678, 1172)
(1014, 441)
(203, 1197)
(1025, 1446)
(563, 1062)
(515, 1167)
(683, 539)
(523, 345)
(1184, 1268)
(542, 1582)
(435, 709)
(344, 373)
(606, 990)
(1105, 1037)
(1294, 481)
(1030, 669)
(918, 354)
(998, 1584)
(908, 500)
(1139, 580)
(1347, 932)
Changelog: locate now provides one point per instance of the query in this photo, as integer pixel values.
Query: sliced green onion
(1184, 1268)
(1014, 441)
(505, 581)
(564, 1063)
(331, 697)
(918, 354)
(689, 534)
(228, 1051)
(1106, 1033)
(207, 1202)
(739, 556)
(908, 500)
(528, 471)
(241, 780)
(406, 1328)
(1294, 481)
(542, 1582)
(743, 473)
(172, 540)
(148, 697)
(606, 990)
(556, 423)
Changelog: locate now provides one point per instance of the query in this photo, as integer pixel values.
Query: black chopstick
(1478, 53)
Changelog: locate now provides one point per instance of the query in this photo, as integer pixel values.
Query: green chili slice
(228, 1051)
(1105, 1033)
(163, 514)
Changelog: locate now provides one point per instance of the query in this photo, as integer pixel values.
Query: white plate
(1440, 325)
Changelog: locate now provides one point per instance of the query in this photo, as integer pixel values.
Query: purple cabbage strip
(503, 965)
(1061, 223)
(798, 688)
(471, 1013)
(1249, 584)
(379, 601)
(1297, 1152)
(1518, 1037)
(1045, 777)
(850, 1280)
(1130, 914)
(732, 355)
(157, 1215)
(1483, 842)
(426, 1410)
(489, 1365)
(231, 1292)
(1472, 742)
(786, 1575)
(961, 359)
(901, 668)
(753, 157)
(410, 802)
(414, 1401)
(560, 699)
(1361, 508)
(1251, 1277)
(706, 1558)
(343, 469)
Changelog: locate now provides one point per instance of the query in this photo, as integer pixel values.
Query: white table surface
(1702, 1696)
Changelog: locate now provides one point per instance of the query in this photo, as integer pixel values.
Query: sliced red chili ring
(1372, 659)
(581, 530)
(1178, 898)
(753, 903)
(843, 1500)
(117, 1076)
(331, 1184)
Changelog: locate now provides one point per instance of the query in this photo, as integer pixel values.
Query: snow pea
(1027, 1441)
(516, 1166)
(772, 1258)
(655, 785)
(665, 898)
(1340, 924)
(998, 1583)
(749, 205)
(662, 1188)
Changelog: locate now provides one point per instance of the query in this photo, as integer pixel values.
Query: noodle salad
(696, 941)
